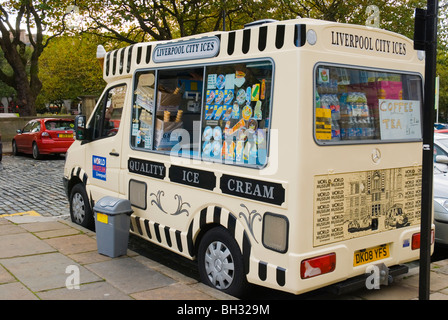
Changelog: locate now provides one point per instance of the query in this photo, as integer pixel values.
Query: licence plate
(101, 217)
(372, 254)
(65, 135)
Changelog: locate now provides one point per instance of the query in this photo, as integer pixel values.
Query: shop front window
(360, 105)
(217, 113)
(236, 115)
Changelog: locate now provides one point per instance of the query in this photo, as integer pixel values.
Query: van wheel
(80, 210)
(221, 262)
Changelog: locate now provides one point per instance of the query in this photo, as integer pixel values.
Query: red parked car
(44, 136)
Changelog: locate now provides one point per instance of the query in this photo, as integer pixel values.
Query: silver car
(441, 187)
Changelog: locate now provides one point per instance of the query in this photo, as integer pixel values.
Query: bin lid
(113, 206)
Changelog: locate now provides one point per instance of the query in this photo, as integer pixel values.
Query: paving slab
(22, 244)
(56, 233)
(15, 291)
(129, 276)
(5, 276)
(90, 291)
(73, 244)
(46, 271)
(89, 257)
(176, 291)
(28, 219)
(44, 226)
(10, 229)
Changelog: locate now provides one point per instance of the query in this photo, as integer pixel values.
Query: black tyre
(80, 211)
(221, 262)
(15, 151)
(36, 153)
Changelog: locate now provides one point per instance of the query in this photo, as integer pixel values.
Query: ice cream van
(287, 154)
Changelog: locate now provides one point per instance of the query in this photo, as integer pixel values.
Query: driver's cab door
(103, 150)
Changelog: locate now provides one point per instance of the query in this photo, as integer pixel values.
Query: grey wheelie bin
(112, 221)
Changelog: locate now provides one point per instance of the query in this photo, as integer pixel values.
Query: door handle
(115, 154)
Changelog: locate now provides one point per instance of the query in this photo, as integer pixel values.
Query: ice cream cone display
(179, 115)
(166, 116)
(100, 54)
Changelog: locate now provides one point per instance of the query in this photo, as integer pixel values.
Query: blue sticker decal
(406, 243)
(99, 168)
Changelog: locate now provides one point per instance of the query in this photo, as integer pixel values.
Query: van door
(104, 150)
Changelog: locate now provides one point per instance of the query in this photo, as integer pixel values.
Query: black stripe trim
(280, 36)
(217, 215)
(262, 38)
(168, 236)
(190, 240)
(231, 223)
(246, 252)
(139, 227)
(148, 53)
(148, 231)
(128, 66)
(231, 43)
(139, 54)
(262, 270)
(299, 35)
(84, 179)
(281, 276)
(107, 63)
(203, 218)
(156, 229)
(179, 241)
(246, 41)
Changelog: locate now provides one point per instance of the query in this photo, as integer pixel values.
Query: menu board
(355, 204)
(399, 119)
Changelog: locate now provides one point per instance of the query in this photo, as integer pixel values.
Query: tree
(33, 15)
(134, 21)
(69, 68)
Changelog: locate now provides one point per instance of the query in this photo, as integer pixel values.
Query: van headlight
(275, 232)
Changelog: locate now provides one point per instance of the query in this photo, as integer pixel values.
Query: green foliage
(69, 68)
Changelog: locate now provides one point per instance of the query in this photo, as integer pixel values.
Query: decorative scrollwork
(180, 204)
(250, 218)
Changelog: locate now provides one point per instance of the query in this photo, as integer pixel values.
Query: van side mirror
(80, 128)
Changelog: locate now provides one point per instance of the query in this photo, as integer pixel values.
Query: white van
(287, 154)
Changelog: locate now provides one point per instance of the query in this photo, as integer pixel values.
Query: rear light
(318, 265)
(45, 134)
(415, 243)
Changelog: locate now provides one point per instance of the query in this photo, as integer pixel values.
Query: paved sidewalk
(46, 257)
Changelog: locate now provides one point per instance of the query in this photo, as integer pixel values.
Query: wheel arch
(215, 216)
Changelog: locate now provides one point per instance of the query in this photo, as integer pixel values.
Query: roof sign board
(206, 47)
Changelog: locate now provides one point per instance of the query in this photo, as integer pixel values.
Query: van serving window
(361, 105)
(230, 124)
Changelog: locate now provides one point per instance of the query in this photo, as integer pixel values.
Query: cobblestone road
(27, 184)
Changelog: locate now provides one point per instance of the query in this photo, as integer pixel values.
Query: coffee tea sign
(399, 119)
